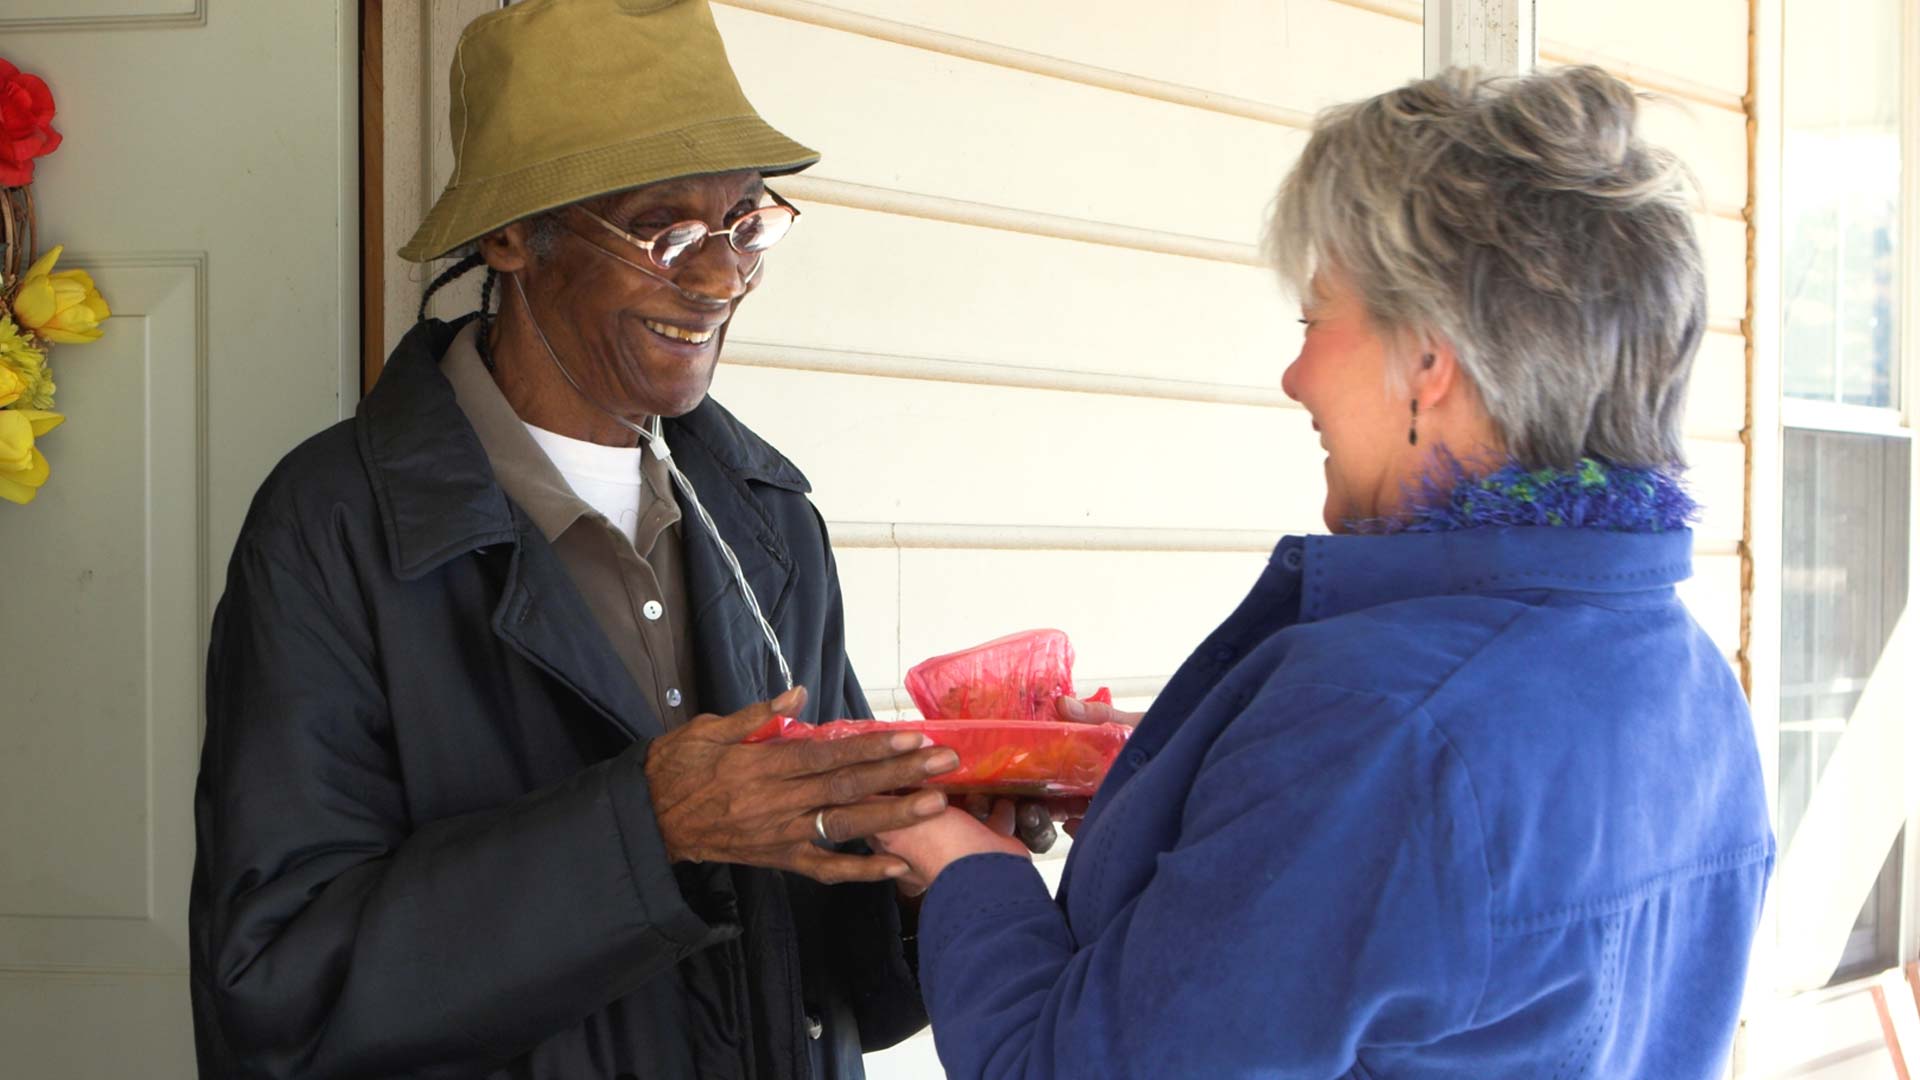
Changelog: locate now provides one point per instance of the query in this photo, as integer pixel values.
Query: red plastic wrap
(1025, 758)
(1016, 677)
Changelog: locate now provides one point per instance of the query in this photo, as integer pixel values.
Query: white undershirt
(606, 478)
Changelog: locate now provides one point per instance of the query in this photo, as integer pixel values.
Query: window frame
(1792, 413)
(1909, 404)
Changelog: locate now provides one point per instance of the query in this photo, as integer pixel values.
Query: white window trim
(1812, 415)
(1909, 329)
(1895, 792)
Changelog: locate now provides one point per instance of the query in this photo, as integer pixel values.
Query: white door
(208, 179)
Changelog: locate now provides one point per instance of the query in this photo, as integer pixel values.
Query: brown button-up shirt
(635, 586)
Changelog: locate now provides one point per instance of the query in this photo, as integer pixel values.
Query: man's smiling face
(644, 347)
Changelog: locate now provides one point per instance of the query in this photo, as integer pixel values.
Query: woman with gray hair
(1459, 790)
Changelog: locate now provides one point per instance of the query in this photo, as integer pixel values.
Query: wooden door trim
(373, 240)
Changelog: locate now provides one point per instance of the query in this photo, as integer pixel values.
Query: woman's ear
(1436, 374)
(505, 248)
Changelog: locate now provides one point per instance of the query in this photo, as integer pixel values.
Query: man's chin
(671, 393)
(682, 409)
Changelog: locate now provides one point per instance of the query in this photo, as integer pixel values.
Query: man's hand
(717, 800)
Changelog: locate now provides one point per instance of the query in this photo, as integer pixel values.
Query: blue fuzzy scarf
(1593, 495)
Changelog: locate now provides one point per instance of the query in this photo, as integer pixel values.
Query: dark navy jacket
(426, 843)
(1475, 804)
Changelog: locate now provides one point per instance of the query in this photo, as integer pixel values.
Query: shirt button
(673, 698)
(652, 610)
(1291, 558)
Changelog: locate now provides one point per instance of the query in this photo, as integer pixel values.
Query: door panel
(206, 181)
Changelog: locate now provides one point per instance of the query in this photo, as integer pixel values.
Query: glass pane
(1796, 778)
(1843, 586)
(1840, 172)
(1874, 944)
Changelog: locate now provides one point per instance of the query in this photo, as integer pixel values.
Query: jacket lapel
(439, 501)
(542, 617)
(436, 492)
(735, 665)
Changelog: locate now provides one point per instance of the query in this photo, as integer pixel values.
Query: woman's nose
(1288, 381)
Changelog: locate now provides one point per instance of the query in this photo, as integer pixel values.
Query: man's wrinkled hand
(719, 800)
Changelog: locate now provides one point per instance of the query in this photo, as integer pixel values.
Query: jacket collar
(435, 490)
(1340, 574)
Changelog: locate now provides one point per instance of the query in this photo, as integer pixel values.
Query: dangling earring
(1413, 435)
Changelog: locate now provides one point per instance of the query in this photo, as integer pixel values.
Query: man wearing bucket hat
(465, 805)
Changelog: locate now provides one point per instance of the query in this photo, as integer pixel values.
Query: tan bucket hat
(555, 101)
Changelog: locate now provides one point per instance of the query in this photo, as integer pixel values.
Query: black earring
(1413, 436)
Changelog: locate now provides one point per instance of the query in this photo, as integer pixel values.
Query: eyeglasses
(750, 234)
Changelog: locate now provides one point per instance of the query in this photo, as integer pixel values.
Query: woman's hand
(1073, 710)
(1032, 818)
(935, 844)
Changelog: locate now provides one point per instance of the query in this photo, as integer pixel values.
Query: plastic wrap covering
(1016, 677)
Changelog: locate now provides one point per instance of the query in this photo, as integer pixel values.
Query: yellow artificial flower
(23, 469)
(11, 386)
(62, 307)
(28, 365)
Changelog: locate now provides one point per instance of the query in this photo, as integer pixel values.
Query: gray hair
(543, 233)
(1524, 222)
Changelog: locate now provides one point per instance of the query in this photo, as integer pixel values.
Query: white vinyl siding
(1022, 342)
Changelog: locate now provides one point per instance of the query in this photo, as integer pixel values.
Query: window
(1847, 451)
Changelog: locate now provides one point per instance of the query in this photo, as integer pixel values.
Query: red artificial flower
(26, 124)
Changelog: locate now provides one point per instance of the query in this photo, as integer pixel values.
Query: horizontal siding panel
(989, 134)
(901, 450)
(1016, 342)
(1006, 137)
(946, 454)
(1299, 54)
(1724, 244)
(931, 369)
(1717, 478)
(1717, 393)
(863, 281)
(870, 587)
(1712, 595)
(1712, 142)
(1129, 614)
(1702, 41)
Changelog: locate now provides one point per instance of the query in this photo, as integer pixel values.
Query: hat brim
(471, 209)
